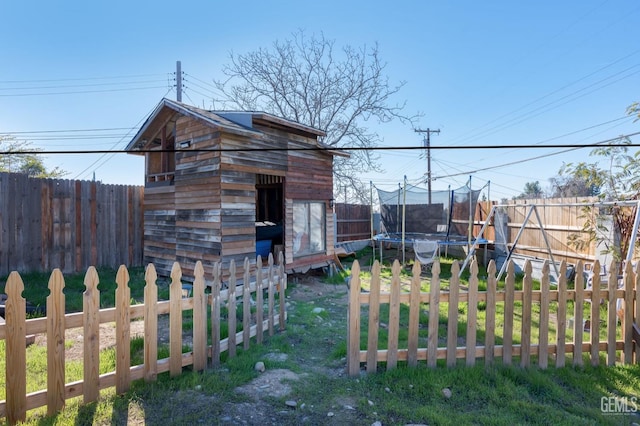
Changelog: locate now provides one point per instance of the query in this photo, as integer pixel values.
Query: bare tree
(305, 80)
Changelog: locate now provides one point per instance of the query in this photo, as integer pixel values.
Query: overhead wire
(80, 78)
(358, 148)
(107, 155)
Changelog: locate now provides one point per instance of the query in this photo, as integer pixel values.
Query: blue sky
(484, 73)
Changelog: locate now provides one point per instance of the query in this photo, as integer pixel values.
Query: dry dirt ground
(259, 406)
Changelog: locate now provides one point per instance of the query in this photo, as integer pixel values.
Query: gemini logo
(618, 406)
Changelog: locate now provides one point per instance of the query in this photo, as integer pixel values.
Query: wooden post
(561, 332)
(16, 352)
(636, 326)
(472, 314)
(199, 319)
(525, 332)
(246, 305)
(215, 315)
(578, 315)
(434, 315)
(490, 328)
(271, 295)
(374, 319)
(612, 318)
(55, 343)
(543, 330)
(123, 331)
(91, 316)
(509, 299)
(414, 316)
(175, 321)
(394, 317)
(595, 315)
(452, 325)
(627, 314)
(282, 287)
(231, 306)
(150, 324)
(259, 302)
(353, 320)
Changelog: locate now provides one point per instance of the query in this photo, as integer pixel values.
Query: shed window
(309, 228)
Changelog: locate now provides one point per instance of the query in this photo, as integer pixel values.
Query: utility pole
(178, 81)
(427, 144)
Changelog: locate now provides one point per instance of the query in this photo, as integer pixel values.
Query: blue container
(263, 247)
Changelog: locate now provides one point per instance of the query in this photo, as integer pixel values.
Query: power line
(80, 79)
(69, 130)
(76, 92)
(383, 148)
(109, 154)
(570, 148)
(66, 86)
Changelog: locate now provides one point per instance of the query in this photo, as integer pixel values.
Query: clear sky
(484, 73)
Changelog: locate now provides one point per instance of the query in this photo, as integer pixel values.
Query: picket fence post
(150, 324)
(91, 338)
(16, 354)
(175, 321)
(55, 343)
(123, 331)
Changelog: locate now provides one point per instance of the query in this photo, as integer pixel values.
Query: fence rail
(272, 280)
(511, 316)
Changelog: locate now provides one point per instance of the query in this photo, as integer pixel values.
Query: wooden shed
(223, 185)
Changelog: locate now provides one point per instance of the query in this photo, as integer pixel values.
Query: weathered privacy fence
(512, 318)
(68, 224)
(254, 284)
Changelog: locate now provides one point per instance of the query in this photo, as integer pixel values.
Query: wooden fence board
(472, 315)
(543, 334)
(55, 343)
(71, 225)
(394, 317)
(594, 320)
(434, 315)
(612, 318)
(523, 317)
(91, 337)
(150, 324)
(175, 321)
(123, 331)
(452, 328)
(18, 402)
(16, 342)
(525, 331)
(490, 318)
(578, 319)
(414, 315)
(374, 318)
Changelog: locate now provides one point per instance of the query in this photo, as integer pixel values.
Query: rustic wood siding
(160, 228)
(67, 224)
(238, 209)
(197, 182)
(263, 161)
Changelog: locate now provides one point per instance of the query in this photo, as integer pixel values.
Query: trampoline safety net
(446, 214)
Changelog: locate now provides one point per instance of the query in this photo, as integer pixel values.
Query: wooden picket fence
(255, 282)
(516, 312)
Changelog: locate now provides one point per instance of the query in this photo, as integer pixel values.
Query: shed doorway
(269, 215)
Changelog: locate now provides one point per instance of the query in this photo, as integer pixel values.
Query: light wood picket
(16, 328)
(518, 313)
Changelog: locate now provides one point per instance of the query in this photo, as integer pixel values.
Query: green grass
(36, 288)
